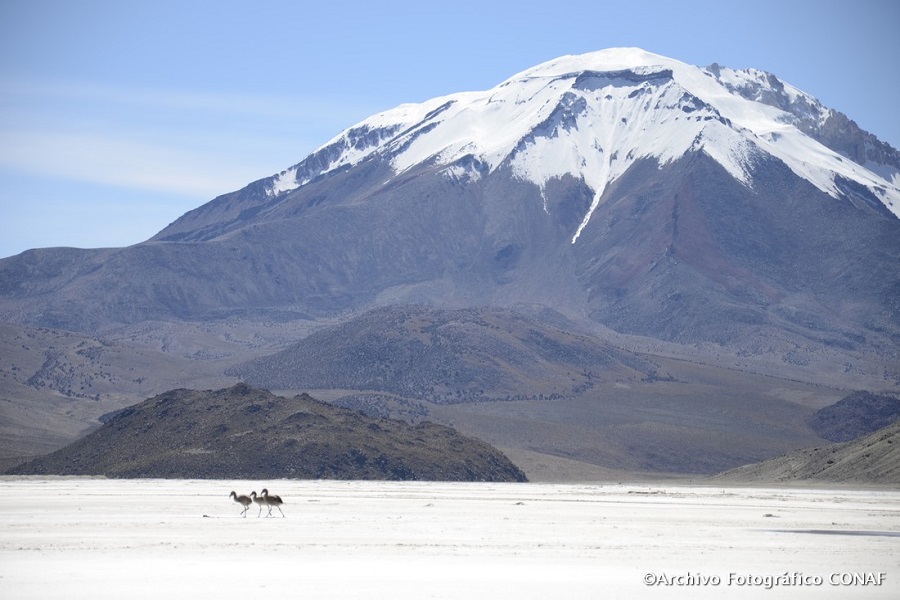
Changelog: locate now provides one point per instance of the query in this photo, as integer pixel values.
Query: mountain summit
(619, 187)
(594, 116)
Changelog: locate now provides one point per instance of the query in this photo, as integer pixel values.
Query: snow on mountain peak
(610, 59)
(593, 116)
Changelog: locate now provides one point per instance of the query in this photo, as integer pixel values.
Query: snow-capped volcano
(694, 215)
(593, 116)
(618, 187)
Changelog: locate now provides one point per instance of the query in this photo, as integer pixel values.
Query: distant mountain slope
(54, 383)
(856, 415)
(873, 459)
(447, 356)
(241, 432)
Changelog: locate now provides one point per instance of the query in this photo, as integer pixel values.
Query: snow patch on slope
(284, 182)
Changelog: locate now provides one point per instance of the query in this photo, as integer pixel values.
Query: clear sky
(116, 116)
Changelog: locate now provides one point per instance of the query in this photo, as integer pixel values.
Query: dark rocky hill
(856, 415)
(242, 432)
(446, 357)
(873, 459)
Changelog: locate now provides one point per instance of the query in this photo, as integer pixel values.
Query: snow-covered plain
(94, 538)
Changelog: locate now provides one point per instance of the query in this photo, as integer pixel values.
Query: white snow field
(95, 538)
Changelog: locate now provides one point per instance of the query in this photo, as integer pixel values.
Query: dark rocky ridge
(242, 432)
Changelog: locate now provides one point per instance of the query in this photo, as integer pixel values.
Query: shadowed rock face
(241, 432)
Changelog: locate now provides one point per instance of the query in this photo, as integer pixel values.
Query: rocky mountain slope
(446, 357)
(55, 383)
(858, 414)
(652, 197)
(246, 433)
(872, 459)
(523, 385)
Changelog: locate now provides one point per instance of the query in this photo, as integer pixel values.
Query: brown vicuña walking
(243, 500)
(273, 502)
(260, 500)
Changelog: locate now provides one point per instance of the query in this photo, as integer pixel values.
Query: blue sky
(116, 117)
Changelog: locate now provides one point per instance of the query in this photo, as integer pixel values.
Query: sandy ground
(92, 538)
